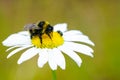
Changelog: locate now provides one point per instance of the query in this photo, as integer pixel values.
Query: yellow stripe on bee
(45, 26)
(47, 42)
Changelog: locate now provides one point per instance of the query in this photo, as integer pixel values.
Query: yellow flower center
(47, 42)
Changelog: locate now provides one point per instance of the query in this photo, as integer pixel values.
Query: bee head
(49, 29)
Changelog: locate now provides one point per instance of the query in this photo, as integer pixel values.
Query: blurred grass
(99, 19)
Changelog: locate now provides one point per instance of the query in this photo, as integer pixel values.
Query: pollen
(47, 42)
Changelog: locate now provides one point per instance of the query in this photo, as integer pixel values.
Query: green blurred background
(99, 19)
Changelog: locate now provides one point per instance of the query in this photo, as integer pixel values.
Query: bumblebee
(43, 27)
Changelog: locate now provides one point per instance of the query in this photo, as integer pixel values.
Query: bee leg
(49, 35)
(30, 36)
(40, 36)
(40, 39)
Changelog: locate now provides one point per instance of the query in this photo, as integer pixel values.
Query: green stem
(54, 75)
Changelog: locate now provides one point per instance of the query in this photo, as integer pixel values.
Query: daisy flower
(49, 45)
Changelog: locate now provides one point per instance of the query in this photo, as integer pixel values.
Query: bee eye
(41, 23)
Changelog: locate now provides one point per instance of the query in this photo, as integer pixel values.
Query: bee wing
(30, 26)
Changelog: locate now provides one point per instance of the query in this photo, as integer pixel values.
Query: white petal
(72, 32)
(17, 39)
(71, 54)
(79, 48)
(17, 50)
(59, 58)
(79, 38)
(60, 27)
(18, 46)
(43, 57)
(11, 48)
(25, 33)
(51, 60)
(28, 54)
